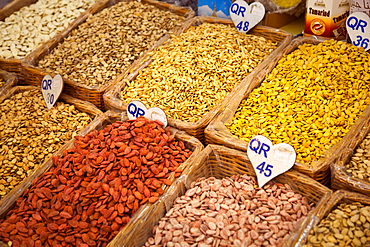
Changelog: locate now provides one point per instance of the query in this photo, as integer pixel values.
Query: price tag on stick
(358, 28)
(269, 160)
(137, 108)
(51, 88)
(246, 16)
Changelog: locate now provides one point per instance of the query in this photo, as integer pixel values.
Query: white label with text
(359, 30)
(246, 16)
(51, 88)
(269, 160)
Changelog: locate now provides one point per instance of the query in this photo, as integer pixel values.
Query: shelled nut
(30, 133)
(309, 100)
(231, 212)
(108, 42)
(195, 71)
(28, 28)
(347, 225)
(359, 165)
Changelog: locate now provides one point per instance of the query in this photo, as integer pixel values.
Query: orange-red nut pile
(95, 187)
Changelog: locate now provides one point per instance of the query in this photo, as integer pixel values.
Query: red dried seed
(105, 187)
(138, 195)
(166, 181)
(153, 199)
(115, 226)
(65, 215)
(73, 223)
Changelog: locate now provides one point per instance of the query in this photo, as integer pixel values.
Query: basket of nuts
(303, 98)
(27, 24)
(114, 170)
(344, 220)
(350, 170)
(217, 202)
(30, 134)
(197, 70)
(7, 80)
(104, 44)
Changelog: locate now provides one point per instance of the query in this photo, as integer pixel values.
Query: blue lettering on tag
(238, 10)
(135, 111)
(258, 147)
(46, 84)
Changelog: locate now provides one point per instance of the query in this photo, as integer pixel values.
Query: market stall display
(310, 98)
(350, 170)
(95, 184)
(29, 27)
(344, 221)
(30, 134)
(92, 55)
(196, 71)
(216, 202)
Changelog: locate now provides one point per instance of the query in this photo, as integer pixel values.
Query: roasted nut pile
(196, 70)
(94, 187)
(359, 165)
(28, 28)
(108, 42)
(30, 133)
(347, 225)
(309, 100)
(231, 212)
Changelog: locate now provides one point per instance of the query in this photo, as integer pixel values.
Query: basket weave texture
(113, 101)
(93, 94)
(218, 133)
(98, 123)
(219, 162)
(8, 201)
(340, 179)
(334, 200)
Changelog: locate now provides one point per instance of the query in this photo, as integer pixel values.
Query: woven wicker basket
(15, 65)
(112, 97)
(340, 179)
(10, 80)
(216, 161)
(108, 117)
(337, 198)
(86, 107)
(218, 133)
(93, 94)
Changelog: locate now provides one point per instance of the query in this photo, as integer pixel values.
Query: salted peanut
(94, 187)
(195, 71)
(108, 42)
(239, 214)
(30, 134)
(346, 225)
(28, 28)
(310, 99)
(359, 165)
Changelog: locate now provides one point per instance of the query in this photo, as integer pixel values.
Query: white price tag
(359, 30)
(269, 160)
(137, 108)
(51, 88)
(246, 16)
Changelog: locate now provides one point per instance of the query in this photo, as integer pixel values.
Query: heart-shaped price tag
(51, 89)
(269, 160)
(358, 28)
(246, 16)
(137, 108)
